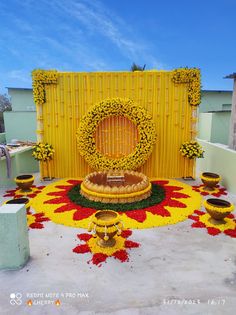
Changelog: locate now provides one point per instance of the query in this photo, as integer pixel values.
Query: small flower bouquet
(43, 152)
(191, 150)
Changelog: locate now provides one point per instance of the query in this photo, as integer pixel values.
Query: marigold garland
(40, 78)
(191, 77)
(116, 107)
(212, 179)
(179, 202)
(100, 254)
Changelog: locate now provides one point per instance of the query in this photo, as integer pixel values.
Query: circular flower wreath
(116, 107)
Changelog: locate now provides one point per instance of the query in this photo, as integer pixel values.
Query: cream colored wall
(204, 126)
(221, 160)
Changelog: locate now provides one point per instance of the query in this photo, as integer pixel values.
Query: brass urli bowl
(105, 225)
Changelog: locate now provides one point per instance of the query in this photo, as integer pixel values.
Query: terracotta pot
(210, 180)
(24, 182)
(218, 208)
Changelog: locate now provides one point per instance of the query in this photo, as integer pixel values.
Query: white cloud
(21, 76)
(98, 19)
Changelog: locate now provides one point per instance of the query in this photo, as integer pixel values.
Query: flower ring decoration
(116, 107)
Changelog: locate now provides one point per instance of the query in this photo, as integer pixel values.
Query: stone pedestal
(14, 240)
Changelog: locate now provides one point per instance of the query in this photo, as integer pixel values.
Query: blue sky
(109, 35)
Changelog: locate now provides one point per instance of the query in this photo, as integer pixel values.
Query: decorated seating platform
(111, 213)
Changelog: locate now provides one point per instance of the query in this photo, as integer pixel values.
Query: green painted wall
(220, 160)
(214, 127)
(20, 126)
(220, 128)
(215, 101)
(2, 137)
(21, 99)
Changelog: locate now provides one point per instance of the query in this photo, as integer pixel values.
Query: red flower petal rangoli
(217, 192)
(100, 254)
(18, 193)
(203, 220)
(179, 202)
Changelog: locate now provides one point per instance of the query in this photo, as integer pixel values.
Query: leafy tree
(136, 67)
(5, 104)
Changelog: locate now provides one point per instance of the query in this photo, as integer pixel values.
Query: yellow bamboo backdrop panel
(70, 99)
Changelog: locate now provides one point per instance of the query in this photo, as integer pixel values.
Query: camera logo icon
(15, 299)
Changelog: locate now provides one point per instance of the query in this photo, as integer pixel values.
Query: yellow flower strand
(191, 77)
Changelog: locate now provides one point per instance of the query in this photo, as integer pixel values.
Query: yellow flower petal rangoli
(178, 203)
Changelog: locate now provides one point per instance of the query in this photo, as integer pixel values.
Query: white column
(232, 130)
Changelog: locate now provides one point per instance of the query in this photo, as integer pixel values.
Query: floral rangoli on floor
(100, 254)
(203, 220)
(18, 193)
(217, 192)
(178, 203)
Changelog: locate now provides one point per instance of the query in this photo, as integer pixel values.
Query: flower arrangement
(43, 151)
(40, 78)
(193, 79)
(116, 107)
(191, 150)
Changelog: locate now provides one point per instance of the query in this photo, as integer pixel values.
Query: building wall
(205, 126)
(215, 101)
(20, 126)
(21, 99)
(220, 160)
(214, 127)
(220, 127)
(20, 123)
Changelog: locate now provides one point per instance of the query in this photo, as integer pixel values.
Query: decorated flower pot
(19, 201)
(210, 180)
(24, 182)
(105, 225)
(218, 208)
